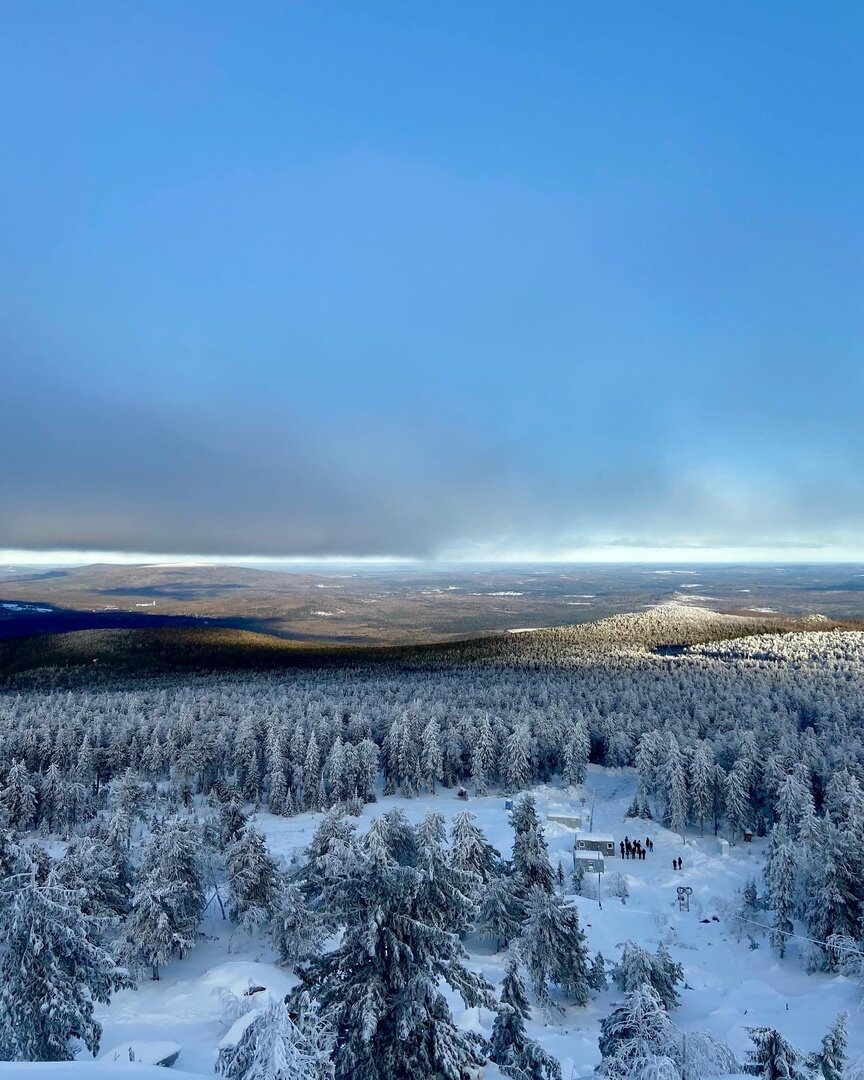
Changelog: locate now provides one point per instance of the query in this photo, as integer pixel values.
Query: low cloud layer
(129, 473)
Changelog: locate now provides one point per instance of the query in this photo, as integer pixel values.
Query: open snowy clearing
(729, 984)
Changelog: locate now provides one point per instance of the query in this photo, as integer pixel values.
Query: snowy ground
(729, 984)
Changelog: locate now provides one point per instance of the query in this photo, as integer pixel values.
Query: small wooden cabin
(599, 842)
(572, 821)
(592, 861)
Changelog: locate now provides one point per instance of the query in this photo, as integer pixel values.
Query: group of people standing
(633, 849)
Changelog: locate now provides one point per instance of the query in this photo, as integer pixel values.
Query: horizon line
(770, 555)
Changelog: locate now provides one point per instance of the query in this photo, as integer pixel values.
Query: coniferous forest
(141, 812)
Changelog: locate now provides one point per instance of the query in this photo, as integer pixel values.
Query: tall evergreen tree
(19, 797)
(274, 1045)
(471, 852)
(773, 1057)
(52, 973)
(254, 885)
(829, 1061)
(673, 777)
(510, 1048)
(638, 968)
(500, 912)
(781, 867)
(379, 988)
(531, 864)
(553, 949)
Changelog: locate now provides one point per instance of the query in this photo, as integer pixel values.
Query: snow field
(729, 985)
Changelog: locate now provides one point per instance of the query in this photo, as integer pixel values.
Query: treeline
(718, 727)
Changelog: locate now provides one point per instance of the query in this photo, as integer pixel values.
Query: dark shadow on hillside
(181, 591)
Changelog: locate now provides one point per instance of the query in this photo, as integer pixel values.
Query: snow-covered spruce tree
(510, 1048)
(157, 929)
(52, 973)
(378, 990)
(673, 778)
(313, 795)
(552, 947)
(327, 857)
(274, 1045)
(781, 870)
(19, 797)
(298, 929)
(638, 1041)
(471, 852)
(50, 798)
(577, 748)
(500, 911)
(833, 898)
(736, 801)
(773, 1058)
(700, 783)
(829, 1061)
(638, 968)
(597, 979)
(445, 897)
(172, 856)
(275, 759)
(517, 759)
(483, 756)
(168, 901)
(254, 885)
(232, 820)
(531, 864)
(793, 796)
(431, 756)
(102, 875)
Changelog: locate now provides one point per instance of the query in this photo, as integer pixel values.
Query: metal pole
(599, 898)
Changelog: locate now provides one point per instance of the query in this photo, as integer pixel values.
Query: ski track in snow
(729, 985)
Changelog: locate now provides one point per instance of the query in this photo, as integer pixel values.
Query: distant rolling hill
(97, 655)
(401, 604)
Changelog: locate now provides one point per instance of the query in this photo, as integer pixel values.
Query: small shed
(599, 842)
(572, 821)
(592, 861)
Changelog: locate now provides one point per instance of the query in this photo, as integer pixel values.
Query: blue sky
(455, 280)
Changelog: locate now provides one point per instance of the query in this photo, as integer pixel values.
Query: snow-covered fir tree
(168, 901)
(673, 777)
(781, 868)
(829, 1061)
(531, 864)
(638, 1041)
(500, 911)
(298, 929)
(637, 968)
(510, 1048)
(773, 1057)
(552, 947)
(276, 1045)
(101, 875)
(379, 989)
(53, 971)
(18, 797)
(471, 852)
(254, 885)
